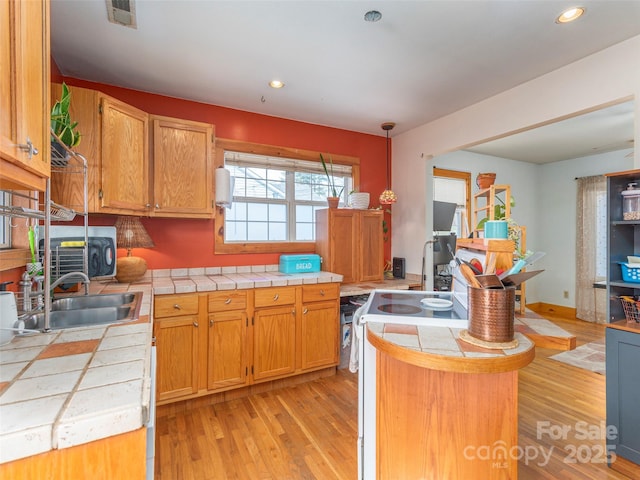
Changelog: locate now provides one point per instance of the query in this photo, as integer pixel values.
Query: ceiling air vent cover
(122, 12)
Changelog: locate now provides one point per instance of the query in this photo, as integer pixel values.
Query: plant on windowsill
(334, 199)
(62, 126)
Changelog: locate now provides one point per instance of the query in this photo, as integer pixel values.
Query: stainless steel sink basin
(84, 317)
(88, 310)
(94, 301)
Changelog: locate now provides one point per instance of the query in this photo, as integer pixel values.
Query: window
(276, 192)
(275, 200)
(452, 186)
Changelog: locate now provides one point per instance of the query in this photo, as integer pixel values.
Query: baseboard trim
(541, 308)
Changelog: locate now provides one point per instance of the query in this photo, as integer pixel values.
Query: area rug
(589, 356)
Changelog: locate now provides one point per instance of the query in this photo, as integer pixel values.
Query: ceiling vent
(122, 12)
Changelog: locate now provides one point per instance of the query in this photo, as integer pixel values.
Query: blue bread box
(299, 263)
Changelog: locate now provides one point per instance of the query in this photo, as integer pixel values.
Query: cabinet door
(623, 392)
(182, 176)
(124, 172)
(177, 348)
(371, 251)
(320, 322)
(274, 342)
(227, 356)
(343, 238)
(24, 94)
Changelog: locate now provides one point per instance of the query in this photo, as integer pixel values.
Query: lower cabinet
(227, 359)
(623, 392)
(216, 341)
(176, 331)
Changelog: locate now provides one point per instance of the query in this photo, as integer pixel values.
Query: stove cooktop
(415, 308)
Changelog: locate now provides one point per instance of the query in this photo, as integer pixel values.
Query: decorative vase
(485, 180)
(359, 200)
(333, 202)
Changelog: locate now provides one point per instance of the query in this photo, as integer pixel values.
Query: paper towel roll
(223, 187)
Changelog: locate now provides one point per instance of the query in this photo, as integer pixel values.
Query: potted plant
(62, 125)
(358, 200)
(334, 199)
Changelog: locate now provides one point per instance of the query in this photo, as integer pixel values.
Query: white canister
(8, 317)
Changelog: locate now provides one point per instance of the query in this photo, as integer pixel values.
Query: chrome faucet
(85, 280)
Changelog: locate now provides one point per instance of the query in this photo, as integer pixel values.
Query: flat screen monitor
(443, 213)
(443, 247)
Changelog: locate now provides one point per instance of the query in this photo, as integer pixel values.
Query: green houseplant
(335, 193)
(62, 125)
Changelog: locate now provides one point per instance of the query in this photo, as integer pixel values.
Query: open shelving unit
(40, 211)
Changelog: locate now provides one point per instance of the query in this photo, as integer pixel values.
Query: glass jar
(631, 203)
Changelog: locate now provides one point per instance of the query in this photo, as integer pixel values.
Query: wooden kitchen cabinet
(320, 325)
(24, 94)
(115, 143)
(138, 164)
(274, 332)
(182, 168)
(623, 391)
(227, 358)
(351, 243)
(177, 331)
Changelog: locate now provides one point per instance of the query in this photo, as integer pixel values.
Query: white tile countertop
(77, 385)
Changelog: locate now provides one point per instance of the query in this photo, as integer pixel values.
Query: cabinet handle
(321, 293)
(227, 301)
(148, 205)
(177, 307)
(293, 312)
(157, 205)
(211, 322)
(276, 297)
(305, 311)
(28, 147)
(195, 324)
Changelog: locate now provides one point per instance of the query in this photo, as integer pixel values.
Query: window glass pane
(305, 231)
(257, 211)
(276, 190)
(278, 213)
(277, 231)
(235, 231)
(304, 213)
(258, 231)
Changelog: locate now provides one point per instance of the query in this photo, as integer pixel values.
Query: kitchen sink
(84, 317)
(88, 310)
(94, 301)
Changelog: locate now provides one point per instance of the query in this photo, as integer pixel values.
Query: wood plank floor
(309, 431)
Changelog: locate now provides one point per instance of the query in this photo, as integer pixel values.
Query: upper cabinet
(24, 94)
(182, 168)
(139, 164)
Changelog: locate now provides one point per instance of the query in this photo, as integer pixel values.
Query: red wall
(182, 243)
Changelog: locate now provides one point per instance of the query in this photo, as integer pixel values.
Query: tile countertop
(77, 385)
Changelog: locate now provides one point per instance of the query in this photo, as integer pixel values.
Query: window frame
(220, 247)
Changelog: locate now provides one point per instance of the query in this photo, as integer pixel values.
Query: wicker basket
(491, 313)
(630, 308)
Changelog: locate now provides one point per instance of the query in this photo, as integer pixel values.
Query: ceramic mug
(8, 316)
(496, 229)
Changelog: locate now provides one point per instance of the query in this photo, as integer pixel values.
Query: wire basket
(630, 308)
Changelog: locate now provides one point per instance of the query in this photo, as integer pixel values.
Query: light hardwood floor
(309, 431)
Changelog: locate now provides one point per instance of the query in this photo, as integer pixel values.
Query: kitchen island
(435, 406)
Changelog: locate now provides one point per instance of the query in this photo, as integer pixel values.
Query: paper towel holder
(224, 188)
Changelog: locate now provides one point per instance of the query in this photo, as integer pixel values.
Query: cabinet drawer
(324, 291)
(231, 300)
(175, 305)
(272, 297)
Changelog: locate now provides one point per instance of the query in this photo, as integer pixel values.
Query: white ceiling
(423, 60)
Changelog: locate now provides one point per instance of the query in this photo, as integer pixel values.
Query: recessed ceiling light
(276, 84)
(372, 16)
(570, 14)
